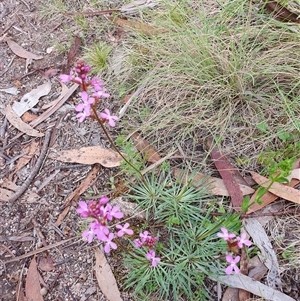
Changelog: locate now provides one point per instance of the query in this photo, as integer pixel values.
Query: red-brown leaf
(228, 173)
(32, 285)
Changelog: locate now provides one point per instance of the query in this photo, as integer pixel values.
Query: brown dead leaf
(28, 117)
(148, 151)
(73, 54)
(5, 194)
(269, 197)
(29, 151)
(17, 122)
(257, 270)
(32, 285)
(87, 182)
(283, 191)
(231, 294)
(50, 73)
(105, 277)
(137, 26)
(280, 12)
(227, 172)
(89, 155)
(21, 52)
(5, 183)
(46, 263)
(216, 186)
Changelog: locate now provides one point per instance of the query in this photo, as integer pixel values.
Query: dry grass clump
(221, 73)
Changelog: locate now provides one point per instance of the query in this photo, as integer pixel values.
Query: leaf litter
(88, 182)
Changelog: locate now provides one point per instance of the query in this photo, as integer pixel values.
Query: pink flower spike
(83, 209)
(114, 213)
(151, 256)
(225, 235)
(243, 241)
(124, 230)
(232, 266)
(110, 118)
(109, 244)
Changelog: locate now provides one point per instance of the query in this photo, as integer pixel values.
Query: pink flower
(109, 244)
(100, 93)
(97, 83)
(83, 209)
(124, 229)
(144, 236)
(101, 231)
(114, 213)
(103, 200)
(232, 266)
(138, 243)
(85, 107)
(81, 116)
(225, 235)
(65, 78)
(110, 118)
(89, 234)
(151, 256)
(243, 241)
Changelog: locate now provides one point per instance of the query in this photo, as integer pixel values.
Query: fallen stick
(35, 169)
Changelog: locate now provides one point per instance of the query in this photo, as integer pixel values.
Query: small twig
(38, 251)
(55, 280)
(39, 232)
(94, 13)
(254, 214)
(27, 5)
(35, 169)
(19, 285)
(70, 293)
(6, 69)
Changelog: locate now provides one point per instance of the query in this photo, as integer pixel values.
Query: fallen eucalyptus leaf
(105, 277)
(12, 90)
(17, 122)
(21, 52)
(89, 155)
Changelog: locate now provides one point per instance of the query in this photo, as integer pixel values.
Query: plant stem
(113, 144)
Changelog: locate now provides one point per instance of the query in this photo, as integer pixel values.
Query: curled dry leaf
(254, 287)
(215, 186)
(29, 100)
(46, 263)
(21, 52)
(89, 155)
(106, 278)
(17, 122)
(32, 285)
